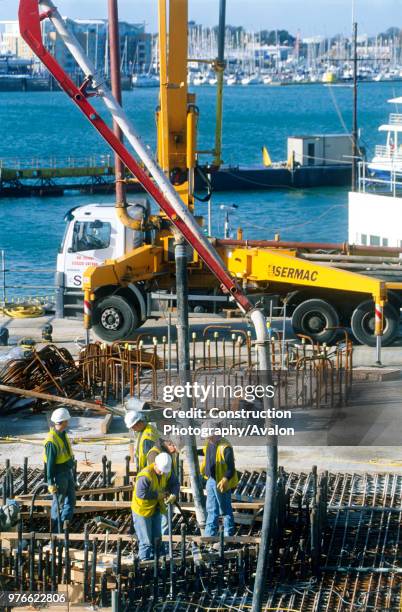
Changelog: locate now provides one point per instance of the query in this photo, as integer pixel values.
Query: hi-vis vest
(148, 507)
(63, 454)
(149, 433)
(220, 463)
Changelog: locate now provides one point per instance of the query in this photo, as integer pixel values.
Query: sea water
(44, 125)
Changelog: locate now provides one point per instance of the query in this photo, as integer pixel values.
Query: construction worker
(156, 485)
(218, 467)
(149, 442)
(165, 446)
(148, 436)
(59, 461)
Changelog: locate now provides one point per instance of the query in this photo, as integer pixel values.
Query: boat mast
(355, 135)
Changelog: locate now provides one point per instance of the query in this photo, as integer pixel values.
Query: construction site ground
(382, 396)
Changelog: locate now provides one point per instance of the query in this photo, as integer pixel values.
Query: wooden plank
(88, 504)
(80, 492)
(125, 537)
(74, 593)
(238, 498)
(122, 505)
(106, 423)
(73, 403)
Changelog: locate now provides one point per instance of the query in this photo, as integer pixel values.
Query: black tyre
(363, 324)
(313, 317)
(114, 319)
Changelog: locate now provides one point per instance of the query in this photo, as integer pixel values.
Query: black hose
(208, 184)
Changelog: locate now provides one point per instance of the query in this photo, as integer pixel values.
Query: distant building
(11, 42)
(92, 34)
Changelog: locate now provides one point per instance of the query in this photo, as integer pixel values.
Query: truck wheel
(363, 324)
(114, 319)
(312, 317)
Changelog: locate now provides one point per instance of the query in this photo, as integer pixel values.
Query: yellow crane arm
(264, 265)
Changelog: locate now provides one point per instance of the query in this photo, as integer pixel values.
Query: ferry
(375, 208)
(388, 158)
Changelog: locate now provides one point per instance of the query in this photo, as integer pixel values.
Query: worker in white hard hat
(156, 485)
(148, 437)
(149, 441)
(59, 461)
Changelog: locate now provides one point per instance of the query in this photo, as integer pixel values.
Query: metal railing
(395, 119)
(16, 284)
(388, 153)
(368, 181)
(36, 163)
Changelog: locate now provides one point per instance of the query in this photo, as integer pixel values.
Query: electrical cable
(18, 311)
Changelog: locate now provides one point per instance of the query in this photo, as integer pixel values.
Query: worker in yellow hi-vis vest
(218, 467)
(149, 441)
(148, 436)
(165, 446)
(59, 460)
(155, 486)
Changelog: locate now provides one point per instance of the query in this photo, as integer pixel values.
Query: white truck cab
(93, 234)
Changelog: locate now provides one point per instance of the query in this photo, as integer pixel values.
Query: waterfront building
(136, 44)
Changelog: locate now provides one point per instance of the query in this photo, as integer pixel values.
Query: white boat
(200, 79)
(231, 80)
(145, 80)
(252, 79)
(375, 208)
(388, 158)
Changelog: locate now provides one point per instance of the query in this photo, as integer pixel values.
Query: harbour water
(48, 125)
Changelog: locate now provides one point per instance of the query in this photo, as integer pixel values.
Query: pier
(96, 174)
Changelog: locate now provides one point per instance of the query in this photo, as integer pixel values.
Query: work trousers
(66, 499)
(147, 529)
(218, 504)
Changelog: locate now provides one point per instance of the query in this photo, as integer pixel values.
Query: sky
(312, 17)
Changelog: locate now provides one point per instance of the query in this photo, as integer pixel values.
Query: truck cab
(93, 234)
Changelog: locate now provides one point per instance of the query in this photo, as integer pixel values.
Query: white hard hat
(59, 415)
(132, 417)
(163, 462)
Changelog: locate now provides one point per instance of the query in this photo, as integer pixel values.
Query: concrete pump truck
(122, 256)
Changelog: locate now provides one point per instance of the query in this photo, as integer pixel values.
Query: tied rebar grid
(306, 373)
(336, 546)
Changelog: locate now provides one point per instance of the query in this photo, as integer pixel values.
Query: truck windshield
(91, 235)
